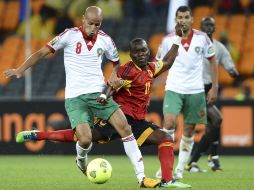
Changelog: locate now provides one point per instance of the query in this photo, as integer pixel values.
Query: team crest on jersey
(198, 50)
(53, 42)
(99, 52)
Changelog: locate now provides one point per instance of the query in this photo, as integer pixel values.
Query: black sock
(201, 148)
(215, 143)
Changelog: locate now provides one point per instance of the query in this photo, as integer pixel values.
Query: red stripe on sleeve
(51, 48)
(209, 58)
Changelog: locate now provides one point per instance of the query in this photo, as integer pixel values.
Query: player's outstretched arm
(18, 72)
(169, 58)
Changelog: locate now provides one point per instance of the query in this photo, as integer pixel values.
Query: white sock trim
(128, 138)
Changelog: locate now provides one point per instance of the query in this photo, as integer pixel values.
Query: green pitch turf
(60, 173)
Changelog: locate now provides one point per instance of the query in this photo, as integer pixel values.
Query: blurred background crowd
(123, 20)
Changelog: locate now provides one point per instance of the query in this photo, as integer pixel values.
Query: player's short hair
(183, 9)
(207, 18)
(136, 40)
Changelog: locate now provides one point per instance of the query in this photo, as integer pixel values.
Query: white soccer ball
(99, 171)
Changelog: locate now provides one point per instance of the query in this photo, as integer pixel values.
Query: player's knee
(169, 124)
(85, 140)
(157, 136)
(125, 129)
(188, 130)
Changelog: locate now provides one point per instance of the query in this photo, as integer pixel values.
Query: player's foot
(193, 167)
(178, 174)
(26, 136)
(158, 174)
(82, 164)
(214, 164)
(150, 183)
(174, 184)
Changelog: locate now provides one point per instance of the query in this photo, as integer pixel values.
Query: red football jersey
(134, 96)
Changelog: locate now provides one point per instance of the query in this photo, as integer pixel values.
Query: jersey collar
(90, 41)
(186, 42)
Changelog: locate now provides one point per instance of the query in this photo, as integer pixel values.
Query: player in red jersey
(133, 97)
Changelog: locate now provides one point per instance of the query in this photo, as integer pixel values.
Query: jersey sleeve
(111, 52)
(225, 58)
(126, 83)
(163, 48)
(157, 67)
(208, 48)
(59, 42)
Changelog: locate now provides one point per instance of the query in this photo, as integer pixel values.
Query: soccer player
(133, 96)
(210, 140)
(84, 48)
(185, 86)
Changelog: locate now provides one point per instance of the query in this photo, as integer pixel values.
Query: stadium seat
(10, 47)
(200, 12)
(154, 42)
(246, 67)
(2, 12)
(221, 22)
(36, 5)
(11, 16)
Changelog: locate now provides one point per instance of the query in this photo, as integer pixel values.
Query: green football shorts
(193, 106)
(84, 108)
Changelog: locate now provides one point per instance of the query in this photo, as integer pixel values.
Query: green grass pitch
(42, 172)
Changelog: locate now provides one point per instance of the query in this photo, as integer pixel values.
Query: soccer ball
(99, 171)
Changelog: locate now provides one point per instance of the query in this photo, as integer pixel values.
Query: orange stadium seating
(154, 42)
(10, 50)
(224, 77)
(200, 12)
(2, 12)
(36, 5)
(221, 22)
(11, 15)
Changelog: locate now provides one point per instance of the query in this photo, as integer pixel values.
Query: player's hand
(233, 73)
(212, 95)
(12, 72)
(179, 29)
(102, 99)
(115, 82)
